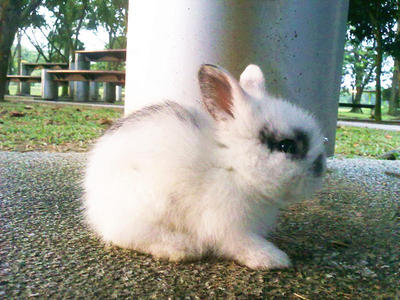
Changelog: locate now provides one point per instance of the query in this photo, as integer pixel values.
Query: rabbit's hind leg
(173, 246)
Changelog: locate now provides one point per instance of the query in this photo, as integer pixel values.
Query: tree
(359, 64)
(111, 15)
(14, 14)
(374, 20)
(62, 30)
(394, 97)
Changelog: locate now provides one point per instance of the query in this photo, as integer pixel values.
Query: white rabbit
(178, 183)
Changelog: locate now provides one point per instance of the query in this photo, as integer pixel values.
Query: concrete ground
(344, 243)
(370, 125)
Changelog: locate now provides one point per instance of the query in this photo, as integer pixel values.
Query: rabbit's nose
(318, 166)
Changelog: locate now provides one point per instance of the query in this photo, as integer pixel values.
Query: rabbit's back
(139, 166)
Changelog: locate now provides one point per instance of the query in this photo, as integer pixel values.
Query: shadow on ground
(344, 243)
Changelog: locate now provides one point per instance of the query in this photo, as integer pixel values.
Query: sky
(386, 78)
(93, 40)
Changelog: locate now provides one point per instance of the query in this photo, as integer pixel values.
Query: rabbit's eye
(287, 146)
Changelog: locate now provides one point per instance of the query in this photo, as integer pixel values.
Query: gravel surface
(344, 243)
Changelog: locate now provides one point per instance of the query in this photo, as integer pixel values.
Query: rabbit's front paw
(258, 253)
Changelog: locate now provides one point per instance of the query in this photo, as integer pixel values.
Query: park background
(344, 242)
(52, 30)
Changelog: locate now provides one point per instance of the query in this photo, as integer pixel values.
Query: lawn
(365, 142)
(34, 127)
(344, 113)
(36, 89)
(54, 128)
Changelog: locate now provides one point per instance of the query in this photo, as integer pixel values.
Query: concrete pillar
(298, 44)
(71, 84)
(94, 91)
(49, 86)
(109, 92)
(25, 86)
(118, 92)
(81, 88)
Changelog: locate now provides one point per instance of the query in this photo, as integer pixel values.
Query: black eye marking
(267, 139)
(296, 145)
(303, 142)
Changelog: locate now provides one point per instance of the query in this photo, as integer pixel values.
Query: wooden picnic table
(53, 66)
(110, 55)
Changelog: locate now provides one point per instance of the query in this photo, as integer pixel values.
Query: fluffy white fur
(179, 183)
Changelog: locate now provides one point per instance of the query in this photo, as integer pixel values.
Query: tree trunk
(394, 95)
(8, 28)
(378, 95)
(19, 58)
(11, 14)
(357, 100)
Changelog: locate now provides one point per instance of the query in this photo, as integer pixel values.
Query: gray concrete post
(81, 88)
(109, 92)
(71, 84)
(49, 86)
(118, 92)
(94, 91)
(25, 87)
(298, 44)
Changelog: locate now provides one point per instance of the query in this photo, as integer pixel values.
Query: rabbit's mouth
(318, 166)
(299, 188)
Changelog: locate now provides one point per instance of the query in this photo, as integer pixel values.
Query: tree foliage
(359, 64)
(111, 15)
(374, 21)
(67, 20)
(61, 26)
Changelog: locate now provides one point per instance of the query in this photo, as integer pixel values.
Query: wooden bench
(24, 78)
(117, 77)
(29, 67)
(371, 106)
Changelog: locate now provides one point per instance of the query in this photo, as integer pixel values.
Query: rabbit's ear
(252, 81)
(219, 91)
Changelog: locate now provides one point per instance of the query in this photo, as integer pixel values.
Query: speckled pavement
(345, 243)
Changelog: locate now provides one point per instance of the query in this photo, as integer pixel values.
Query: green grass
(69, 128)
(51, 127)
(344, 112)
(356, 141)
(35, 89)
